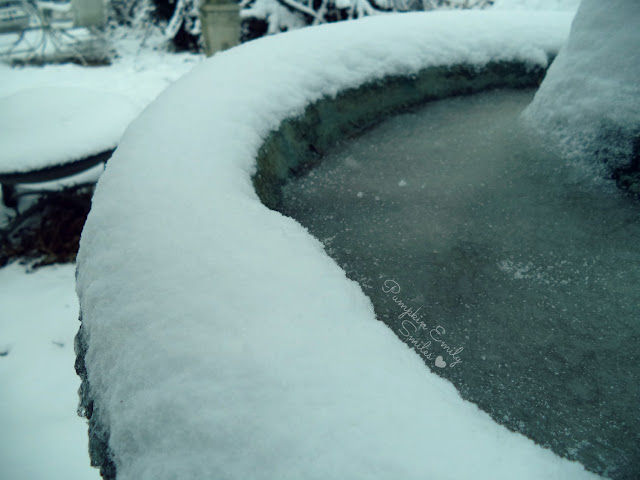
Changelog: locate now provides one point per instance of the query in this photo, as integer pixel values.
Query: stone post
(220, 21)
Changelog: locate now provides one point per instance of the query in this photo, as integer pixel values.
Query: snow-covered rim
(183, 273)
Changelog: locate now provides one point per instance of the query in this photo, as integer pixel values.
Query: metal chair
(40, 31)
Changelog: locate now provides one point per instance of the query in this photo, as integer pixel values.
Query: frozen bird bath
(521, 274)
(218, 338)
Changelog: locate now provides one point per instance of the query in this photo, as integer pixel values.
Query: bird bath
(250, 354)
(521, 272)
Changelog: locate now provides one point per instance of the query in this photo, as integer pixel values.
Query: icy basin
(521, 272)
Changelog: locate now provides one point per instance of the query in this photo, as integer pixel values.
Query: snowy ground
(40, 434)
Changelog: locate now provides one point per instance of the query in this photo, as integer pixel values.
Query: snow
(588, 106)
(40, 434)
(46, 126)
(277, 16)
(547, 5)
(281, 18)
(223, 341)
(139, 73)
(59, 113)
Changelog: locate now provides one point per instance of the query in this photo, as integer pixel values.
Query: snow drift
(218, 339)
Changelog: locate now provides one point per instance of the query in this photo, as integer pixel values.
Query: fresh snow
(41, 435)
(46, 126)
(139, 74)
(60, 113)
(549, 5)
(588, 106)
(223, 341)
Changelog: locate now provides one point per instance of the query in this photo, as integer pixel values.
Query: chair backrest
(13, 17)
(89, 13)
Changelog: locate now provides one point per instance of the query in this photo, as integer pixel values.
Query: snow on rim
(222, 341)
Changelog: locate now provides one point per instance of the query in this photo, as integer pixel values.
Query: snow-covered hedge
(218, 339)
(285, 15)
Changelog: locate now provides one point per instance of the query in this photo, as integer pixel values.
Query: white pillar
(220, 21)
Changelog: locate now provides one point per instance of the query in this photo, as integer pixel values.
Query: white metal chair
(41, 31)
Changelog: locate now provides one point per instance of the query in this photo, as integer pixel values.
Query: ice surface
(222, 341)
(532, 269)
(46, 126)
(588, 106)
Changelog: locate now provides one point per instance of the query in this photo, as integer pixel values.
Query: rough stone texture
(98, 430)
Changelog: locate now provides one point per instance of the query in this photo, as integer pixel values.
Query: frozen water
(531, 269)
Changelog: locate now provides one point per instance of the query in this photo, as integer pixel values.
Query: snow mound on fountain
(588, 106)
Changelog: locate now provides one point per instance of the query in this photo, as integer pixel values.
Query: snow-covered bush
(273, 16)
(179, 22)
(174, 21)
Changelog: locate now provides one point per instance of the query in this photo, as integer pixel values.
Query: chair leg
(9, 195)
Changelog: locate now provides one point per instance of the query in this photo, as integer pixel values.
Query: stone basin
(218, 339)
